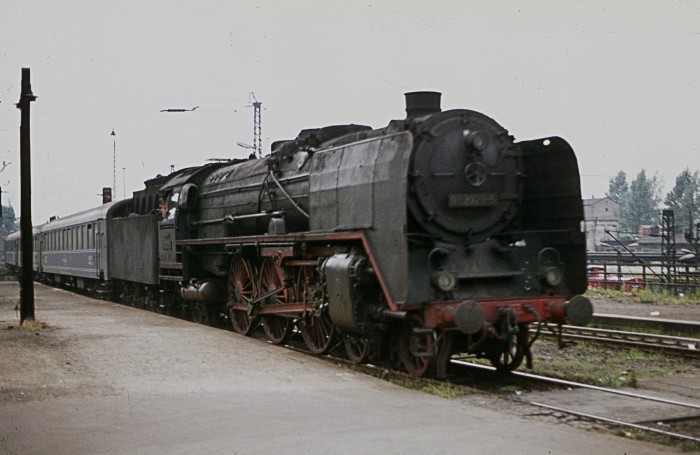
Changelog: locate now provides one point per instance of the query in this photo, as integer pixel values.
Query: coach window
(91, 238)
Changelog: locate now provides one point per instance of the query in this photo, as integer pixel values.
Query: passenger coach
(72, 250)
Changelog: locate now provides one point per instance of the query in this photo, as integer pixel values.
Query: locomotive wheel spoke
(277, 328)
(356, 348)
(416, 349)
(241, 289)
(318, 332)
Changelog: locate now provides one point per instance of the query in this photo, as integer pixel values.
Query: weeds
(440, 389)
(647, 296)
(597, 365)
(644, 436)
(33, 325)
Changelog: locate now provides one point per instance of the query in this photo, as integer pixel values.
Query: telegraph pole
(26, 311)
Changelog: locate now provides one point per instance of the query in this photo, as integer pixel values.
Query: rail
(688, 347)
(595, 417)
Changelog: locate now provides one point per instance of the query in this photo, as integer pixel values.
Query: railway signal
(106, 195)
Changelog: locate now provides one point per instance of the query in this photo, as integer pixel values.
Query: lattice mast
(257, 125)
(668, 244)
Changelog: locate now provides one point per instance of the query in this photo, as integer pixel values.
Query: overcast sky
(619, 80)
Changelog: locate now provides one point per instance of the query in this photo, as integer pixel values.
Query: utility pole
(114, 163)
(26, 310)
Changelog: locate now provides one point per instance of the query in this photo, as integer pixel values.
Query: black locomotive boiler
(438, 234)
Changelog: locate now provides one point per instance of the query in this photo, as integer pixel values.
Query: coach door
(100, 247)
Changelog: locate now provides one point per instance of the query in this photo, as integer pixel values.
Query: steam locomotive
(438, 234)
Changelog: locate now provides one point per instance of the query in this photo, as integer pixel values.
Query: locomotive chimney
(419, 104)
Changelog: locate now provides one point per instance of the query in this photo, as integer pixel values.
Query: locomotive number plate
(467, 200)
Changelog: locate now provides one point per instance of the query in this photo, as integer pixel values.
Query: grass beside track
(599, 365)
(646, 296)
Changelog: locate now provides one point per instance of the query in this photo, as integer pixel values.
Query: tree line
(641, 200)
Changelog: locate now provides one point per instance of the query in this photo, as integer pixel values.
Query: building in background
(601, 214)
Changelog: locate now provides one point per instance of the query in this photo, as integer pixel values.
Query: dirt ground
(631, 306)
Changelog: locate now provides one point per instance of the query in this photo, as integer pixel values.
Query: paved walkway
(103, 378)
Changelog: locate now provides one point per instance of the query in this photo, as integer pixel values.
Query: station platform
(102, 378)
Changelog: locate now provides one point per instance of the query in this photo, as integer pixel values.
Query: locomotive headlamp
(476, 139)
(444, 280)
(551, 275)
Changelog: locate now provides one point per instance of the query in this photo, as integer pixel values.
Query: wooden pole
(26, 311)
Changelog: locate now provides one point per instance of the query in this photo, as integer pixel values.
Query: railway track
(680, 421)
(667, 326)
(685, 346)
